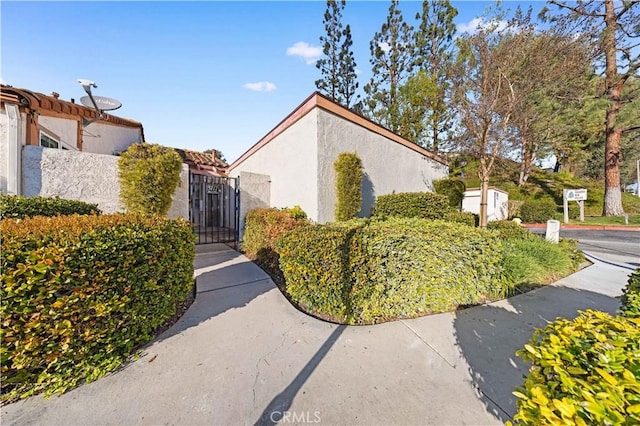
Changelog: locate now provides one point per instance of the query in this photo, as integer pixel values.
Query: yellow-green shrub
(79, 293)
(584, 371)
(263, 228)
(348, 168)
(149, 174)
(630, 300)
(17, 207)
(370, 271)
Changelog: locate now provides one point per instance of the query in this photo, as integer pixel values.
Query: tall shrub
(149, 174)
(630, 300)
(453, 189)
(348, 168)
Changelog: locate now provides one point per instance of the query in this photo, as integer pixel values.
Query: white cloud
(472, 26)
(357, 71)
(260, 86)
(384, 46)
(309, 53)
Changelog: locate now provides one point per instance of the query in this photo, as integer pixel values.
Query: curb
(587, 227)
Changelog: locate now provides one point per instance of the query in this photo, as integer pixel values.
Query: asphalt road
(617, 243)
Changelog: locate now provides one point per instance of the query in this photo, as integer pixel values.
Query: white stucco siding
(65, 129)
(388, 165)
(290, 160)
(109, 139)
(4, 150)
(92, 178)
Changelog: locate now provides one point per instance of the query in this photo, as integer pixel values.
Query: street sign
(576, 194)
(104, 103)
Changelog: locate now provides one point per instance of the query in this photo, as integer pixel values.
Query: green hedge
(365, 272)
(631, 296)
(425, 205)
(18, 207)
(538, 211)
(348, 168)
(467, 218)
(453, 188)
(149, 175)
(79, 293)
(584, 372)
(262, 230)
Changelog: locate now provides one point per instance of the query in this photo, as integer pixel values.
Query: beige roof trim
(320, 101)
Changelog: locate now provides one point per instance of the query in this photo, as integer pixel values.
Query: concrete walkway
(243, 355)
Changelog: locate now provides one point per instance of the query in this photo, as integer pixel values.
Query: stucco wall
(388, 166)
(65, 129)
(255, 192)
(290, 159)
(108, 139)
(83, 176)
(4, 150)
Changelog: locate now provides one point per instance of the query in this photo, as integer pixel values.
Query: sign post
(578, 195)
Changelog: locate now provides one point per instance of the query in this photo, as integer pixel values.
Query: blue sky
(197, 75)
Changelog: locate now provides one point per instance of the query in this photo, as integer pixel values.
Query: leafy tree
(149, 174)
(485, 101)
(348, 168)
(392, 60)
(546, 66)
(431, 87)
(338, 66)
(614, 27)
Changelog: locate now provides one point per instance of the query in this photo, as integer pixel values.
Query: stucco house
(28, 118)
(293, 163)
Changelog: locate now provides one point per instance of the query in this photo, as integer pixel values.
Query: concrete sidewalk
(243, 355)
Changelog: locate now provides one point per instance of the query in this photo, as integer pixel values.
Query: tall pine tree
(338, 66)
(392, 60)
(434, 57)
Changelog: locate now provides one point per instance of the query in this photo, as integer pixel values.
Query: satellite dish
(102, 102)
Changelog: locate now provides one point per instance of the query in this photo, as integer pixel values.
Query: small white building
(293, 164)
(497, 203)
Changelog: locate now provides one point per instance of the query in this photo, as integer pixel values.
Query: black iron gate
(214, 208)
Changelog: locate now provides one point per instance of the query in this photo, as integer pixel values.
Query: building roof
(317, 100)
(203, 162)
(51, 104)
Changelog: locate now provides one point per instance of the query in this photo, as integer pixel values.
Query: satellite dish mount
(100, 103)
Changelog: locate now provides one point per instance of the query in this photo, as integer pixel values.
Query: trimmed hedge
(262, 230)
(348, 168)
(537, 211)
(453, 188)
(149, 175)
(584, 371)
(425, 205)
(79, 293)
(18, 207)
(630, 299)
(364, 272)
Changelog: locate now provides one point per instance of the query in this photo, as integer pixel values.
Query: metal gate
(214, 208)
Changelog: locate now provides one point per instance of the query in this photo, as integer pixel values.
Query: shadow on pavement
(281, 403)
(220, 290)
(489, 335)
